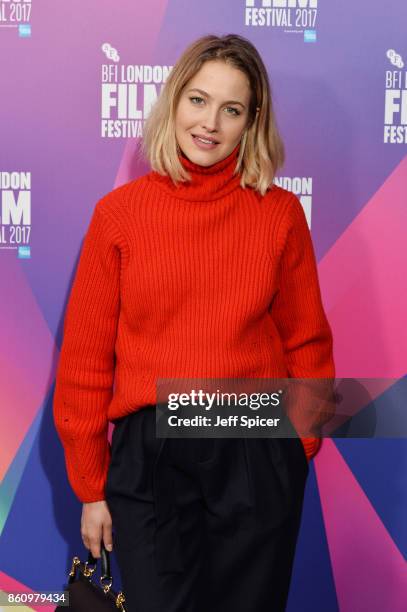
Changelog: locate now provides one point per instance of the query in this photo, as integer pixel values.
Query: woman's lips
(203, 145)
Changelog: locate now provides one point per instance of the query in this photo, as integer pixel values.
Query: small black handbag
(84, 594)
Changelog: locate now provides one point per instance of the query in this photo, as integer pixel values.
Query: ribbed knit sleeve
(85, 371)
(297, 308)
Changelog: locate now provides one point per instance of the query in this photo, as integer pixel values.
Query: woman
(200, 268)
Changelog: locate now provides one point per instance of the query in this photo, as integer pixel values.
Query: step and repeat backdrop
(77, 81)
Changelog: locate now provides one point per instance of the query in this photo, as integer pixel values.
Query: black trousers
(201, 523)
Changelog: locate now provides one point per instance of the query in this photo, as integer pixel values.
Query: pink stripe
(368, 568)
(9, 584)
(362, 282)
(28, 371)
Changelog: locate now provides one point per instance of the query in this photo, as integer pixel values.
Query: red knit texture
(202, 279)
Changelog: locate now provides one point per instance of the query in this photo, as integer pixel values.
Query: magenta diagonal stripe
(363, 285)
(28, 372)
(10, 584)
(369, 570)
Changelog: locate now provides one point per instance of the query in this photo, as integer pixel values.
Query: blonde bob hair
(261, 151)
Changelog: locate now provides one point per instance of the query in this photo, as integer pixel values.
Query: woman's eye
(195, 98)
(235, 111)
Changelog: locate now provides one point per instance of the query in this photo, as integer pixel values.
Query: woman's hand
(96, 524)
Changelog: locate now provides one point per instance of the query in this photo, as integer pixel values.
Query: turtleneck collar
(207, 182)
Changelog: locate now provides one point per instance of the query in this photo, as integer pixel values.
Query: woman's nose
(210, 121)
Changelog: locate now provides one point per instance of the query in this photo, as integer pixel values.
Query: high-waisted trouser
(203, 524)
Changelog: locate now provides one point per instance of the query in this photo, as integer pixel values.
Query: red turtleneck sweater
(205, 279)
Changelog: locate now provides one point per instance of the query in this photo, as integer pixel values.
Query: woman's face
(213, 105)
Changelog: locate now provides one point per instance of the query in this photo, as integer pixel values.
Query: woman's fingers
(107, 535)
(91, 540)
(96, 524)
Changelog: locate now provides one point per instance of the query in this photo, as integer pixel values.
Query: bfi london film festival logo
(301, 186)
(293, 16)
(15, 219)
(16, 14)
(395, 100)
(128, 93)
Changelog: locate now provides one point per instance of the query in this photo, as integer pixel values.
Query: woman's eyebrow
(208, 96)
